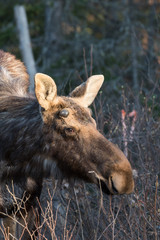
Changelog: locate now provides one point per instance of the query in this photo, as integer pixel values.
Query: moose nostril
(113, 187)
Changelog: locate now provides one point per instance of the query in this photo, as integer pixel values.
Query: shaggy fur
(13, 75)
(33, 133)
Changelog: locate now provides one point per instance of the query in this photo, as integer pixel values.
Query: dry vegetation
(121, 42)
(74, 210)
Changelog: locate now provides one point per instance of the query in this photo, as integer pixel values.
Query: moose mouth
(107, 186)
(106, 190)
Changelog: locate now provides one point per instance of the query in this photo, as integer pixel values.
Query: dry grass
(79, 211)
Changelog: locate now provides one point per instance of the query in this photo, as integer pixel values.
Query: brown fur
(13, 73)
(33, 130)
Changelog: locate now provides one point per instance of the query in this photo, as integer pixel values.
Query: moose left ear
(45, 90)
(87, 91)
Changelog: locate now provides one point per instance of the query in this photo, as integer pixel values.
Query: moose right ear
(87, 91)
(45, 90)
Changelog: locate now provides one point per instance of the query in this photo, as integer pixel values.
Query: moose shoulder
(53, 127)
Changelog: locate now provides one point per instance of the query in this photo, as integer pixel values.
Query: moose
(47, 127)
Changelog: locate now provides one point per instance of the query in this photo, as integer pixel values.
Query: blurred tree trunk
(132, 31)
(25, 42)
(151, 64)
(53, 30)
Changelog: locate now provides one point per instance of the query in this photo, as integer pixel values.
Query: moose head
(72, 138)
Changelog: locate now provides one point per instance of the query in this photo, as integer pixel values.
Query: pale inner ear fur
(45, 90)
(86, 92)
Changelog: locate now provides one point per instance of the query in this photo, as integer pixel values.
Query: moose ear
(87, 91)
(45, 90)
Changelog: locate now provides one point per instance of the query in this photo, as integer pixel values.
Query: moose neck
(21, 132)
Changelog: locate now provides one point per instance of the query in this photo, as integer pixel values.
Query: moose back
(52, 127)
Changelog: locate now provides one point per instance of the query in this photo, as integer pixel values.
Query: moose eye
(64, 113)
(69, 131)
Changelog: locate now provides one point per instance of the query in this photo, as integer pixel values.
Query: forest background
(120, 39)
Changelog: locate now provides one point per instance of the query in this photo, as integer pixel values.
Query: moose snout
(121, 183)
(117, 184)
(112, 169)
